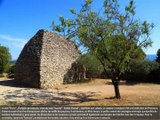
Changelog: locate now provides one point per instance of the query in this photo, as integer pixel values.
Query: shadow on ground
(12, 83)
(123, 83)
(31, 97)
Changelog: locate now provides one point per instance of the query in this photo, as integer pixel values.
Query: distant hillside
(151, 57)
(13, 62)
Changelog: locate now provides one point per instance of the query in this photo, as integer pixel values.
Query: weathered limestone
(46, 61)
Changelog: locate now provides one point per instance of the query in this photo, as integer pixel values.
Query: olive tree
(116, 38)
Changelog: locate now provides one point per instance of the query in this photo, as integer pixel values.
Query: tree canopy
(4, 59)
(116, 38)
(93, 67)
(158, 56)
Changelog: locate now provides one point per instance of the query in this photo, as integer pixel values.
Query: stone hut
(47, 60)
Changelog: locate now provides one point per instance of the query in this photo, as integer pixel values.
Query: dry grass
(95, 93)
(143, 94)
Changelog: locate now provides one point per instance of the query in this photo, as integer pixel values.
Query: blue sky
(21, 19)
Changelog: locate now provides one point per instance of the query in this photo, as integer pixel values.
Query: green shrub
(12, 69)
(140, 71)
(4, 59)
(92, 65)
(158, 56)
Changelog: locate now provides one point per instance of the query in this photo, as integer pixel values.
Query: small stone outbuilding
(47, 60)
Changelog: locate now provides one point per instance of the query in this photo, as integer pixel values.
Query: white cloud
(17, 42)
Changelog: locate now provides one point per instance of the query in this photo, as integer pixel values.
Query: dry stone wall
(47, 61)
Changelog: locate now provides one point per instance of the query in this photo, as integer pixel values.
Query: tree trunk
(116, 88)
(84, 72)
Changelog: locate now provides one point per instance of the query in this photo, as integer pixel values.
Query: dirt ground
(98, 92)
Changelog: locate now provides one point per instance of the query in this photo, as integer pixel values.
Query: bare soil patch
(98, 92)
